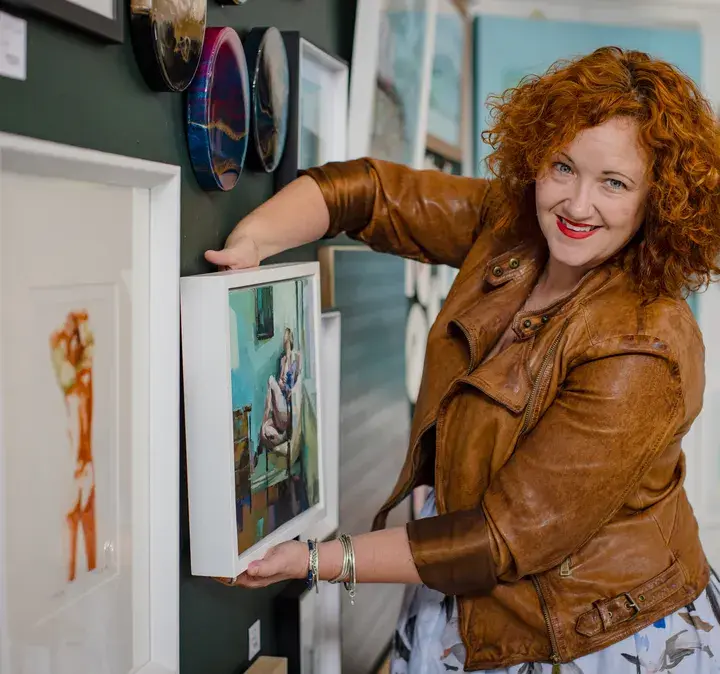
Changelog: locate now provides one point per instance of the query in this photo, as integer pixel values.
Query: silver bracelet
(350, 585)
(345, 570)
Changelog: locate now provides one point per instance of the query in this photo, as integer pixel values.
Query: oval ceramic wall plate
(218, 111)
(269, 93)
(167, 37)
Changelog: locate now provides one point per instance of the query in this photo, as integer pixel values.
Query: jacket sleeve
(428, 215)
(570, 475)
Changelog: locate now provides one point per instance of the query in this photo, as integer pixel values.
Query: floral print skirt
(427, 640)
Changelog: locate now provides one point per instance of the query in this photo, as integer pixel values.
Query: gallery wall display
(167, 38)
(218, 111)
(253, 380)
(390, 81)
(102, 19)
(449, 125)
(90, 346)
(317, 111)
(269, 96)
(330, 324)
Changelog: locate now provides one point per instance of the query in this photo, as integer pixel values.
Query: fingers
(252, 582)
(241, 255)
(221, 258)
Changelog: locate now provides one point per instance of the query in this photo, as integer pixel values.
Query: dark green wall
(81, 92)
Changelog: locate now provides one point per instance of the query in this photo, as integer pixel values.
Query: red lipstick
(580, 233)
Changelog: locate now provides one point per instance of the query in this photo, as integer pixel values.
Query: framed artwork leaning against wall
(253, 422)
(89, 439)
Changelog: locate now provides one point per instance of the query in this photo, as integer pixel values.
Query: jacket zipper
(529, 414)
(554, 650)
(539, 382)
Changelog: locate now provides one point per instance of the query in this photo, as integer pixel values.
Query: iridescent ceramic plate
(270, 90)
(218, 111)
(167, 37)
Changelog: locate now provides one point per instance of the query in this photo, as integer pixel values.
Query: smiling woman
(560, 378)
(594, 192)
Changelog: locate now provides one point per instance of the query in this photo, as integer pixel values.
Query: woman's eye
(562, 167)
(616, 184)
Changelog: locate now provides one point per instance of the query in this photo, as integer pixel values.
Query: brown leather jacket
(563, 525)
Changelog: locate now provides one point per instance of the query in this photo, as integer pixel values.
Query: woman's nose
(579, 204)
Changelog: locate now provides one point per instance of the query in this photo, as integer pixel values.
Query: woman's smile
(575, 230)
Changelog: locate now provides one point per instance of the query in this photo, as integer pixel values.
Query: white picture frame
(153, 284)
(320, 630)
(700, 444)
(214, 346)
(371, 57)
(331, 325)
(329, 76)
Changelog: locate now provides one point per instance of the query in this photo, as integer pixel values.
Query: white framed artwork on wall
(330, 327)
(317, 109)
(89, 376)
(253, 380)
(323, 106)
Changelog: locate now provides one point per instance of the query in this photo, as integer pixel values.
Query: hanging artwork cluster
(250, 101)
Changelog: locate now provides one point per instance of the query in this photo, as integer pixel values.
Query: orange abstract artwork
(71, 347)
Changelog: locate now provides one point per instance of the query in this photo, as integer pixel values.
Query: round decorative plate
(218, 111)
(270, 91)
(167, 37)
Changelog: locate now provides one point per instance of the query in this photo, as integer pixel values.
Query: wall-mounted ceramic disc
(167, 37)
(270, 91)
(218, 111)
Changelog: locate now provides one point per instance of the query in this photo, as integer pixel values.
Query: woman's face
(591, 199)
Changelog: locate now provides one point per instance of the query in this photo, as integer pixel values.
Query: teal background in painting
(257, 360)
(507, 49)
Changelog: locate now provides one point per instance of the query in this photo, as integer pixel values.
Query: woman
(560, 378)
(275, 429)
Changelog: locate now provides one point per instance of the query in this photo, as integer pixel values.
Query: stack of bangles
(347, 574)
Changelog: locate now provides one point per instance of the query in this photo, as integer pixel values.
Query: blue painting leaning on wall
(274, 406)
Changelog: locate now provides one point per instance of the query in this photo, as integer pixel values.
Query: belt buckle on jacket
(630, 605)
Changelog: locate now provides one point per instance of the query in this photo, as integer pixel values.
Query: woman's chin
(578, 257)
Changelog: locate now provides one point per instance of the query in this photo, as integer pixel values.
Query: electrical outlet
(253, 640)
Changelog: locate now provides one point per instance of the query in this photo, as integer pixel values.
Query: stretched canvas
(252, 413)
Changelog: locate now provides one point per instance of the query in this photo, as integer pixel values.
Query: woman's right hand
(241, 253)
(295, 216)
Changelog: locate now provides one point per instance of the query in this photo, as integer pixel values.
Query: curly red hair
(678, 247)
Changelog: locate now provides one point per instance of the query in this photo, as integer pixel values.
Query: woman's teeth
(577, 228)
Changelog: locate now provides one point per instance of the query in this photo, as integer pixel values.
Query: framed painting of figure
(253, 422)
(89, 277)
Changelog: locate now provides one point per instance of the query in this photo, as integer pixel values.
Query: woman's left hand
(287, 561)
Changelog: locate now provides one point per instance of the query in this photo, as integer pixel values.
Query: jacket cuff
(453, 554)
(349, 192)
